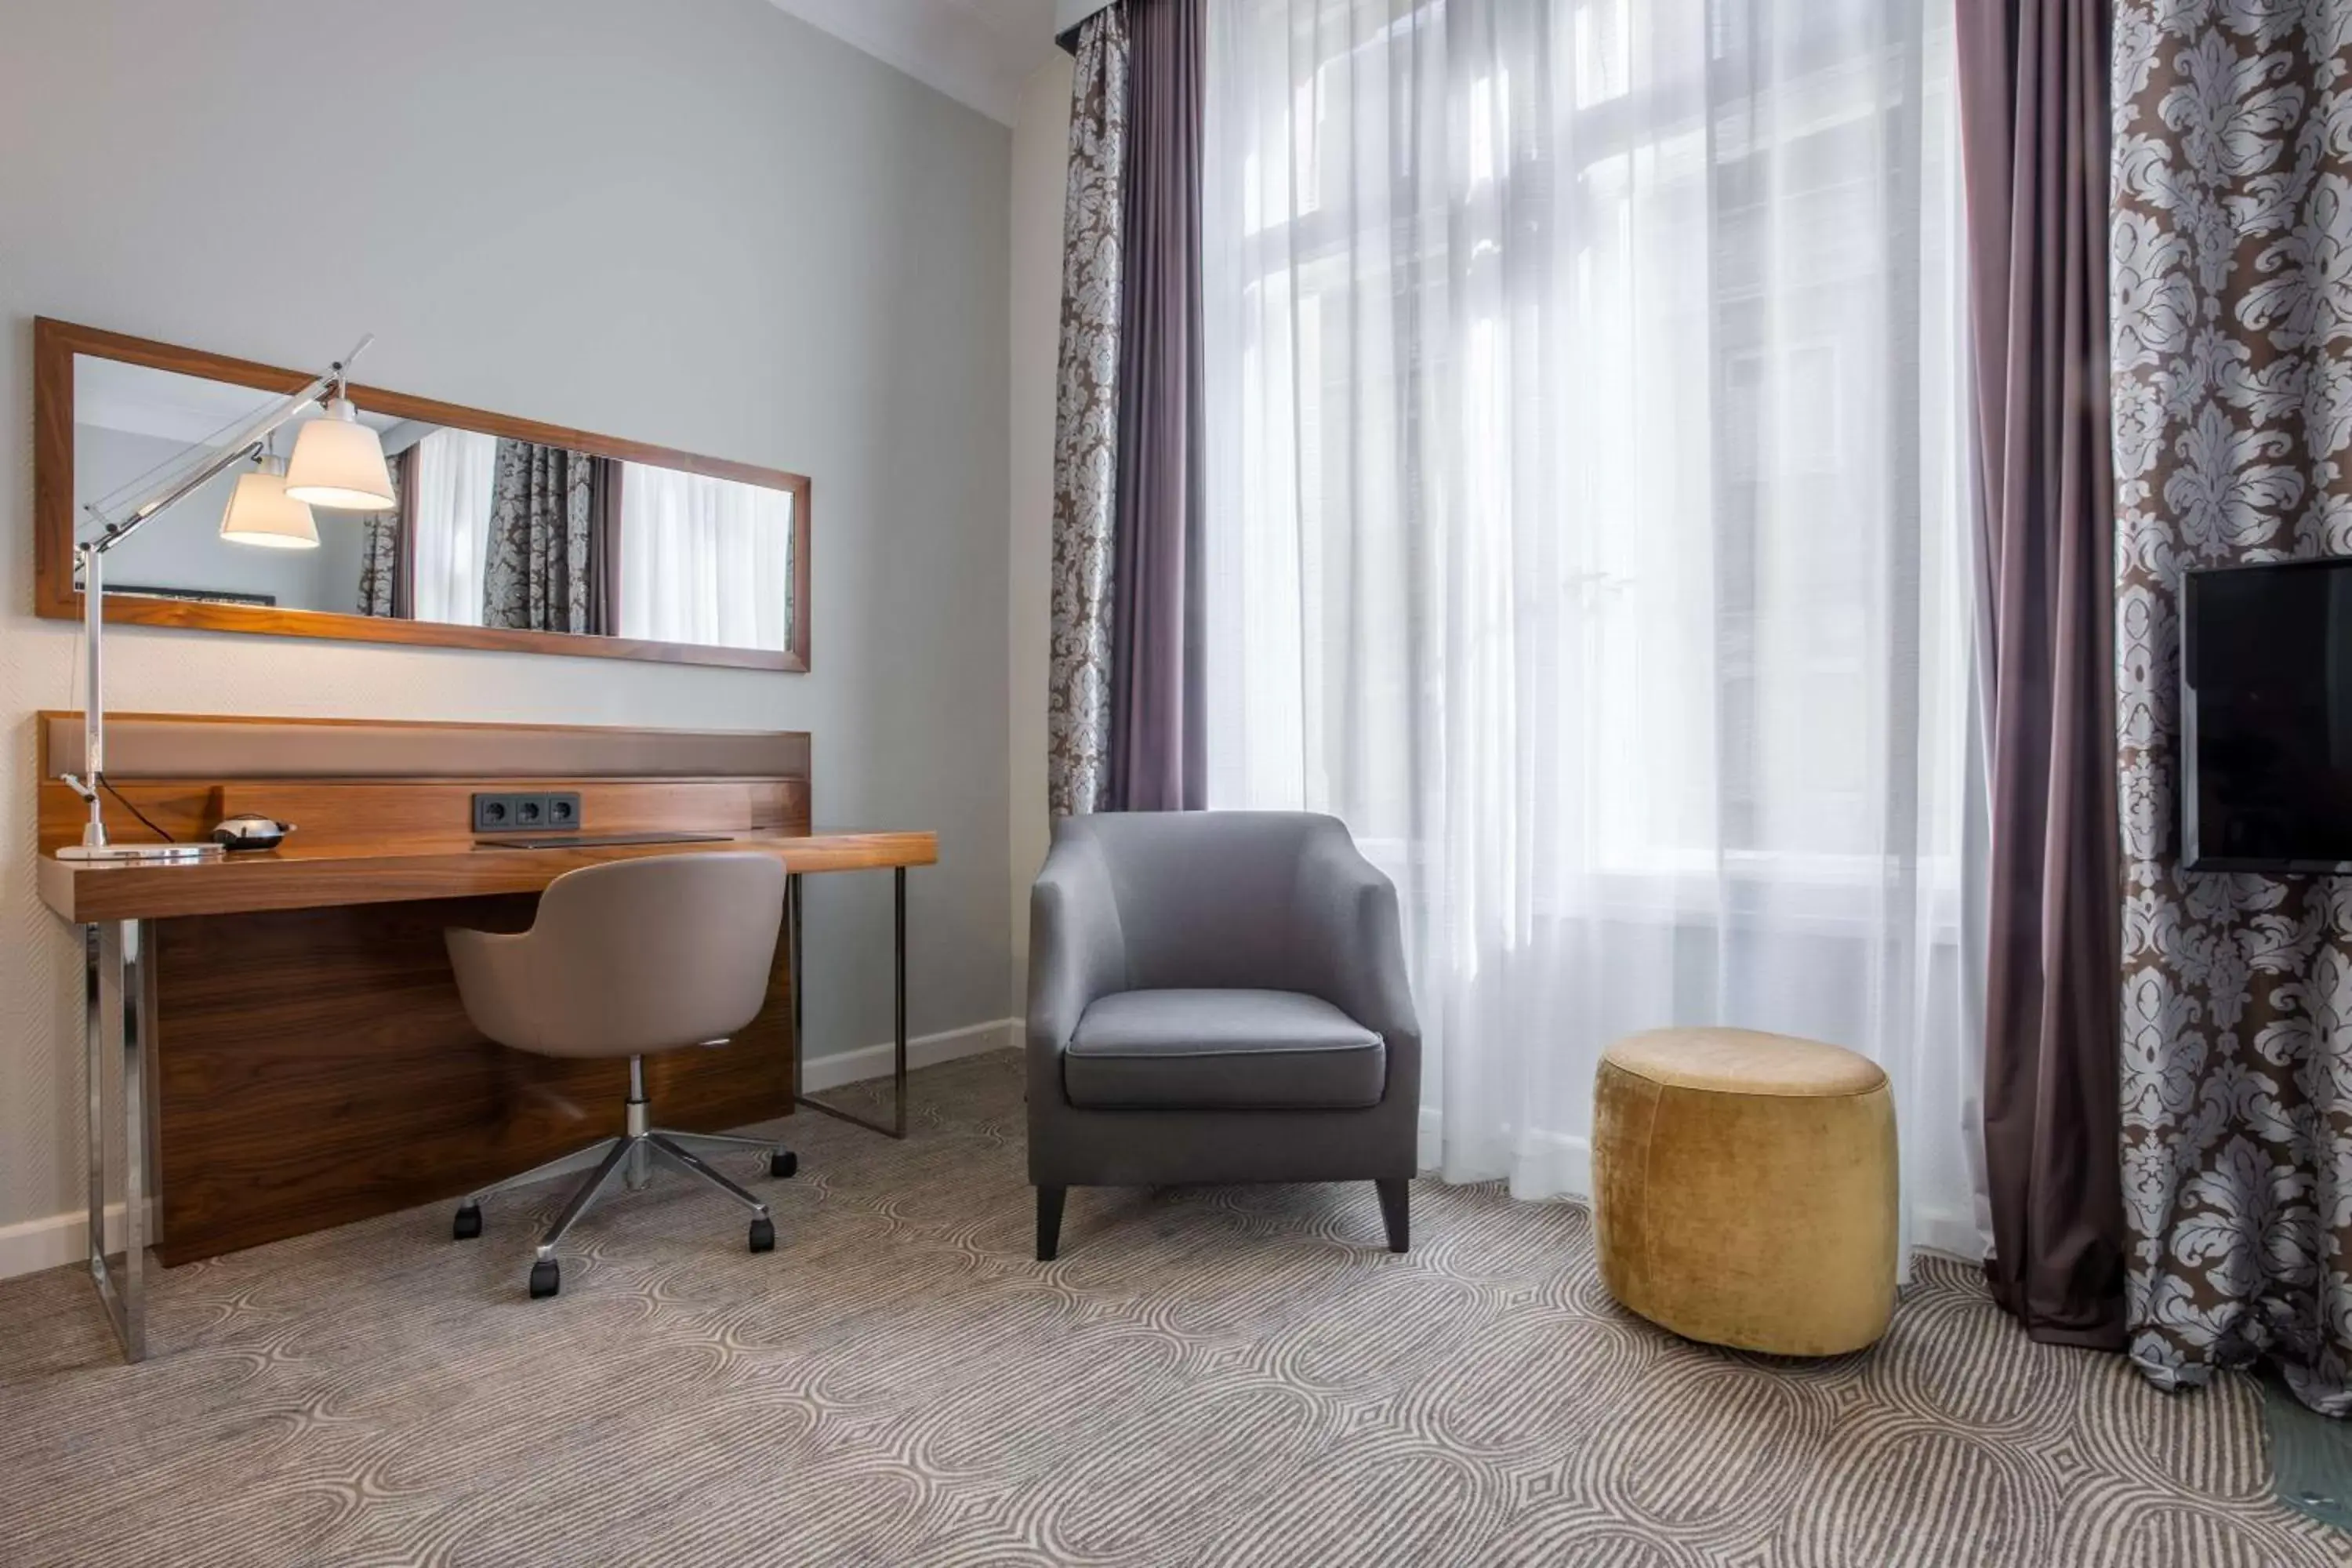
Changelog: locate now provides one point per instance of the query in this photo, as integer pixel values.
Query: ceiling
(978, 52)
(182, 409)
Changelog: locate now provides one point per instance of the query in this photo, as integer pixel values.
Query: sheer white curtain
(1584, 528)
(704, 560)
(456, 471)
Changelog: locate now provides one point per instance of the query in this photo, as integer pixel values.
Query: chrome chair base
(630, 1158)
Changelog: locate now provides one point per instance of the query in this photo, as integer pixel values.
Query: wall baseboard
(53, 1240)
(1555, 1165)
(30, 1245)
(1560, 1164)
(1955, 1236)
(821, 1073)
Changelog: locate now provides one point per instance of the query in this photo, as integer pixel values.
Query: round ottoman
(1744, 1189)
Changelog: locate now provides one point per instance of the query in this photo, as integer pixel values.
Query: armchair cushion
(1222, 1050)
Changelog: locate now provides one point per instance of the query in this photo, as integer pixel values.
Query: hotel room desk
(117, 906)
(304, 876)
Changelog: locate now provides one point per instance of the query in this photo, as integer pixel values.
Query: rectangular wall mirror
(505, 534)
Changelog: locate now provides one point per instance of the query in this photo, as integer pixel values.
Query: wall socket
(537, 811)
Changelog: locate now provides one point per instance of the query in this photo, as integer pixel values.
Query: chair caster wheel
(763, 1235)
(546, 1279)
(468, 1223)
(783, 1163)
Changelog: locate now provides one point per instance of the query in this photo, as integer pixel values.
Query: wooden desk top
(294, 876)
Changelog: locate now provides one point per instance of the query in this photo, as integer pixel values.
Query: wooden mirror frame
(55, 597)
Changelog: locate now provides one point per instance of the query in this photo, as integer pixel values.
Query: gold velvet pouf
(1744, 1189)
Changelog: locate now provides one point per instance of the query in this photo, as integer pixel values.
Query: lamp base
(140, 854)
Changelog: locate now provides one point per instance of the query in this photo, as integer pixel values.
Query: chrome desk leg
(115, 957)
(897, 1124)
(792, 938)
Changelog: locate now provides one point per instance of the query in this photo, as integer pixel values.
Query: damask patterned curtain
(538, 573)
(1086, 423)
(381, 533)
(2231, 275)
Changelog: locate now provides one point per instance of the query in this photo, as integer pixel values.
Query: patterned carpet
(1211, 1376)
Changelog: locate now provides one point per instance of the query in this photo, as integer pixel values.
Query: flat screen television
(2266, 717)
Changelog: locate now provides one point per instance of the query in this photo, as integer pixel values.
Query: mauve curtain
(1158, 761)
(1086, 423)
(2033, 101)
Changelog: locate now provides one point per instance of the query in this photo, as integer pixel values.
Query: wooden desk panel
(315, 1067)
(373, 814)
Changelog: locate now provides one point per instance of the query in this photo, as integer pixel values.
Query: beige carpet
(1217, 1376)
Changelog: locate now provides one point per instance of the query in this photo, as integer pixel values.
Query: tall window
(1583, 521)
(456, 473)
(704, 560)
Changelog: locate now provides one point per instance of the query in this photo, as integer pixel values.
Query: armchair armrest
(1076, 952)
(1353, 936)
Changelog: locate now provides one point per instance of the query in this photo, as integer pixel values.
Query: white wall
(699, 222)
(1040, 160)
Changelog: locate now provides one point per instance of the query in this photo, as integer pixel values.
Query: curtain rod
(1069, 14)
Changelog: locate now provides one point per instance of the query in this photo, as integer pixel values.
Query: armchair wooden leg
(1396, 1211)
(1049, 1221)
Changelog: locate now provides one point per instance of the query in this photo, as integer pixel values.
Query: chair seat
(1222, 1050)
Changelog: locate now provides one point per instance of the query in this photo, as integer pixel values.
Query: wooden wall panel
(346, 812)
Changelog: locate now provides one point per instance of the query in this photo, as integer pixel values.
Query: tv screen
(2266, 717)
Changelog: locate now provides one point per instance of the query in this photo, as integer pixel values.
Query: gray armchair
(1217, 996)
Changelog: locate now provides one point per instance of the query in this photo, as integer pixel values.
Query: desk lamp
(337, 463)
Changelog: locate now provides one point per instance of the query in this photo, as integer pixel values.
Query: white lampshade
(338, 463)
(261, 512)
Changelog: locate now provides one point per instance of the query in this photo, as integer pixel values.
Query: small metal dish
(251, 832)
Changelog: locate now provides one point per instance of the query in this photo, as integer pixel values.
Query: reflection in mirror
(131, 423)
(488, 530)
